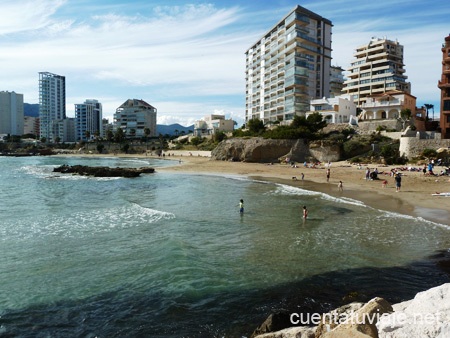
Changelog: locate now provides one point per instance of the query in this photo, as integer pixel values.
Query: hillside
(31, 109)
(173, 129)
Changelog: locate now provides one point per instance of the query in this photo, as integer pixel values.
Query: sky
(187, 58)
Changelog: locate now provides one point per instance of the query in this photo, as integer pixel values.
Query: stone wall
(369, 126)
(413, 146)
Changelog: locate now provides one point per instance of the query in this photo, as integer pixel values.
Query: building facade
(31, 125)
(334, 110)
(211, 124)
(63, 130)
(387, 105)
(88, 120)
(52, 103)
(11, 113)
(134, 117)
(444, 86)
(288, 66)
(377, 68)
(336, 81)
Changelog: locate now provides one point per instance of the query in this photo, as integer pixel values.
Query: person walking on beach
(398, 182)
(328, 175)
(305, 212)
(341, 186)
(241, 206)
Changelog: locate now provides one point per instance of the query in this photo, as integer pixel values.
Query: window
(446, 105)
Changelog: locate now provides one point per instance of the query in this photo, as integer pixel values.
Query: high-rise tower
(377, 68)
(52, 103)
(444, 86)
(288, 66)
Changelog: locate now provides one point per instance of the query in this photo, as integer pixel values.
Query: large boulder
(425, 316)
(361, 323)
(260, 150)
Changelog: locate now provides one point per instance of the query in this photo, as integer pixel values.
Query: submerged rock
(102, 171)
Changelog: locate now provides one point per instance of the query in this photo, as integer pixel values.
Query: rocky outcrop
(325, 151)
(425, 316)
(102, 171)
(260, 150)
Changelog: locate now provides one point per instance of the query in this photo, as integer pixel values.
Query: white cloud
(24, 15)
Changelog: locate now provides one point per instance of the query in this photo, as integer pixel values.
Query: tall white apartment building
(52, 102)
(11, 113)
(134, 116)
(378, 68)
(336, 81)
(88, 119)
(288, 66)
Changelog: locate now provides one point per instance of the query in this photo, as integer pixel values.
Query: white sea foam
(79, 224)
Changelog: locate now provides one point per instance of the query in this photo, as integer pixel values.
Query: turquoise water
(169, 255)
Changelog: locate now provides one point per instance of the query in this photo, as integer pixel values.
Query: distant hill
(171, 129)
(31, 109)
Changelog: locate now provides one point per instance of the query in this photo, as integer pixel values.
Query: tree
(109, 135)
(405, 116)
(119, 136)
(87, 133)
(255, 126)
(100, 147)
(57, 139)
(429, 106)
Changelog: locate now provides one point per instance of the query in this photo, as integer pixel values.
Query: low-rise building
(387, 105)
(211, 124)
(64, 130)
(334, 110)
(134, 117)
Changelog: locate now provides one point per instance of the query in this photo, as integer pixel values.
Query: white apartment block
(11, 113)
(387, 105)
(378, 67)
(88, 120)
(134, 116)
(52, 103)
(334, 110)
(288, 66)
(211, 124)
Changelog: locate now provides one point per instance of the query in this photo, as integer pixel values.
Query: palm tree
(429, 106)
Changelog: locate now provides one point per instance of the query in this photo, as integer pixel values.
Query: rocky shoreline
(427, 315)
(103, 171)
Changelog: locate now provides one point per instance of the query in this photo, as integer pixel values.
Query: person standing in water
(241, 206)
(305, 212)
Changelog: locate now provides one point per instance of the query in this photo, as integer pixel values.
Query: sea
(168, 254)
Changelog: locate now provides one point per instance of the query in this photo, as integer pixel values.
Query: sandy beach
(415, 197)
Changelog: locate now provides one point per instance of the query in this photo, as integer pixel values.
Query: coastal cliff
(260, 150)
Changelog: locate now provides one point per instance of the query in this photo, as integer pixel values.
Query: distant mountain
(31, 109)
(171, 129)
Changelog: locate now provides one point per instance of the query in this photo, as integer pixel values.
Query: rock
(330, 320)
(361, 323)
(260, 150)
(293, 332)
(425, 316)
(276, 321)
(102, 171)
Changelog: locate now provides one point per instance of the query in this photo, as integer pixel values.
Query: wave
(85, 223)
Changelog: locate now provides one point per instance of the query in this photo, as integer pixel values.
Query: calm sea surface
(169, 255)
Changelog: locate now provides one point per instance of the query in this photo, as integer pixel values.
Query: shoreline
(415, 198)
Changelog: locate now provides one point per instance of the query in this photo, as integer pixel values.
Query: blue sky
(187, 58)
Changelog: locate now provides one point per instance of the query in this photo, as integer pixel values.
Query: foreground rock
(425, 316)
(102, 171)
